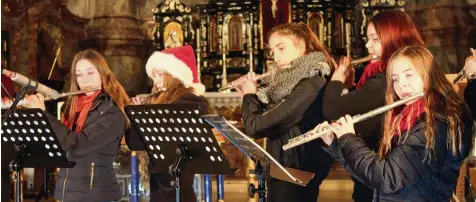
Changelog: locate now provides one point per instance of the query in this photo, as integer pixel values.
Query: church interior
(229, 37)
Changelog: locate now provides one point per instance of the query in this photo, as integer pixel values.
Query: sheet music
(245, 143)
(165, 127)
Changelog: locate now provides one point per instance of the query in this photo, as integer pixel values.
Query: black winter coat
(365, 99)
(93, 150)
(297, 113)
(403, 175)
(470, 97)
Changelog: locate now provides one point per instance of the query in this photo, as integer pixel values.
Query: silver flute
(243, 79)
(316, 133)
(61, 95)
(147, 98)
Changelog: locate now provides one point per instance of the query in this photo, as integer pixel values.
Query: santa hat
(180, 63)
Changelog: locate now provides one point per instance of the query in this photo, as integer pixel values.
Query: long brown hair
(303, 33)
(174, 90)
(109, 84)
(395, 30)
(440, 99)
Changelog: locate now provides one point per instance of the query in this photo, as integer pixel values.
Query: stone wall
(447, 27)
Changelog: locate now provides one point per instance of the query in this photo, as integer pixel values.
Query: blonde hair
(440, 99)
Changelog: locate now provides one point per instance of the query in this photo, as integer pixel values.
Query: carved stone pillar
(32, 27)
(116, 32)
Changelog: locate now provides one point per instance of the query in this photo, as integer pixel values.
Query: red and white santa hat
(180, 63)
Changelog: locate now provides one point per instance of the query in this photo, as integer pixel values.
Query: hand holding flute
(469, 69)
(244, 79)
(325, 129)
(7, 102)
(249, 86)
(30, 101)
(345, 72)
(145, 99)
(345, 125)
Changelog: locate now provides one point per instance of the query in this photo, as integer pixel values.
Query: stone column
(116, 32)
(32, 27)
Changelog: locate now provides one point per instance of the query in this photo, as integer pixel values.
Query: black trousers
(281, 191)
(362, 193)
(160, 189)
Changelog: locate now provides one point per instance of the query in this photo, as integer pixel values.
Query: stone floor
(336, 188)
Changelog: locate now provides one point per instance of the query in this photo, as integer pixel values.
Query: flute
(60, 95)
(315, 133)
(147, 98)
(243, 79)
(364, 59)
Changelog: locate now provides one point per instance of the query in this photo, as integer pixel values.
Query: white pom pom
(199, 88)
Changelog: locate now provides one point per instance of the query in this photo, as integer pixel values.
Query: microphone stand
(19, 97)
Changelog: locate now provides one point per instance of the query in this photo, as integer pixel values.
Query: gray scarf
(284, 80)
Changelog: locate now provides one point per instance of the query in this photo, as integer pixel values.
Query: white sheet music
(245, 143)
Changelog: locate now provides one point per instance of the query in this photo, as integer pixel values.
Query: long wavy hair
(441, 102)
(302, 32)
(109, 84)
(395, 30)
(174, 90)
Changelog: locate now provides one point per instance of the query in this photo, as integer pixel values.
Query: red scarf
(370, 70)
(408, 116)
(83, 105)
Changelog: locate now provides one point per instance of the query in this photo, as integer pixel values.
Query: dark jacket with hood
(93, 150)
(404, 175)
(470, 97)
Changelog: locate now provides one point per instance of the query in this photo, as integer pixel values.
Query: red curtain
(8, 83)
(268, 22)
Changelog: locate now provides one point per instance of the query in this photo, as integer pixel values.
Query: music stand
(251, 149)
(177, 140)
(36, 145)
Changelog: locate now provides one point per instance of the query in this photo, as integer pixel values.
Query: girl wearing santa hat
(174, 72)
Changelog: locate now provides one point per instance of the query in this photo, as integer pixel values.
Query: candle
(250, 39)
(198, 55)
(224, 81)
(348, 37)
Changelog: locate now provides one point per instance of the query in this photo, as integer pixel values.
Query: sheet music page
(244, 143)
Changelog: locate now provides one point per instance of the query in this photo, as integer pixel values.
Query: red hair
(395, 30)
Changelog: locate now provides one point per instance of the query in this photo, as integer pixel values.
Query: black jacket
(470, 97)
(403, 175)
(160, 182)
(365, 99)
(93, 150)
(296, 114)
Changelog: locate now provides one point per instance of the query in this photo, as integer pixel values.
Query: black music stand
(36, 145)
(251, 149)
(178, 140)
